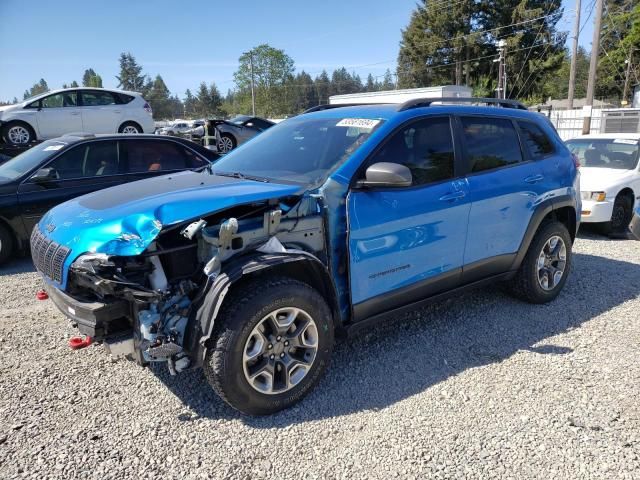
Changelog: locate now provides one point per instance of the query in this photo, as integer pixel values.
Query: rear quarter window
(535, 140)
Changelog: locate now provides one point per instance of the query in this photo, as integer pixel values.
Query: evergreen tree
(131, 77)
(323, 86)
(387, 81)
(91, 79)
(371, 84)
(37, 89)
(190, 104)
(208, 101)
(159, 98)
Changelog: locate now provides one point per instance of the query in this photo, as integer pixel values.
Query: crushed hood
(124, 220)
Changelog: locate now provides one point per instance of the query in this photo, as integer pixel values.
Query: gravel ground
(478, 387)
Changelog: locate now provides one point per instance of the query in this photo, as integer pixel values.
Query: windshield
(619, 153)
(27, 161)
(240, 119)
(302, 150)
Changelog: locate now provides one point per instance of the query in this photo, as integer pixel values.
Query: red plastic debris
(42, 295)
(76, 343)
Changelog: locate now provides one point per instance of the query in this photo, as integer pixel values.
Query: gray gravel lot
(477, 387)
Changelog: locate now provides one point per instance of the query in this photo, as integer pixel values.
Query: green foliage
(619, 42)
(273, 72)
(37, 89)
(159, 98)
(131, 77)
(447, 44)
(208, 101)
(92, 79)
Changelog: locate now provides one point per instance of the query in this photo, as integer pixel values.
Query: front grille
(48, 256)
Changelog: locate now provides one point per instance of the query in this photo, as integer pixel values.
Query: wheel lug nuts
(282, 355)
(272, 356)
(278, 338)
(269, 346)
(286, 344)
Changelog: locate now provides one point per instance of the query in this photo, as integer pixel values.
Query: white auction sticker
(626, 141)
(365, 123)
(53, 148)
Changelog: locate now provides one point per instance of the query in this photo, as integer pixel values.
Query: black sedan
(64, 168)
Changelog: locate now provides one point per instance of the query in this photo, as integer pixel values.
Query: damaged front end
(153, 301)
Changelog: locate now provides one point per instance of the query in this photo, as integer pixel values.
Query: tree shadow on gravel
(17, 265)
(416, 351)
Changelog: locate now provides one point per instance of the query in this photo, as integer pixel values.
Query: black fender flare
(207, 304)
(540, 213)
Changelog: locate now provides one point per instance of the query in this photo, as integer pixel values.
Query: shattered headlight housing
(91, 262)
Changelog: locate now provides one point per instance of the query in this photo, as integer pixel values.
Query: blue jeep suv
(329, 222)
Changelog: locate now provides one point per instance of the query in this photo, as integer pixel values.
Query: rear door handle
(534, 178)
(75, 113)
(452, 196)
(116, 111)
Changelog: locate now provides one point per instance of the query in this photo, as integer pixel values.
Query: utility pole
(625, 91)
(253, 94)
(593, 65)
(502, 74)
(574, 55)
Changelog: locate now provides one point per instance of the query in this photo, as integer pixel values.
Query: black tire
(620, 217)
(27, 128)
(130, 125)
(243, 311)
(526, 284)
(6, 244)
(225, 137)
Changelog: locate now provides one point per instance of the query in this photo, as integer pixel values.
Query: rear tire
(543, 271)
(18, 133)
(260, 364)
(130, 127)
(6, 244)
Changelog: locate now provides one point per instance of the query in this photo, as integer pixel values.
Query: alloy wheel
(18, 135)
(225, 145)
(280, 350)
(552, 262)
(130, 129)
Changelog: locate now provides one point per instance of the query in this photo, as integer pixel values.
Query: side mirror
(386, 174)
(45, 175)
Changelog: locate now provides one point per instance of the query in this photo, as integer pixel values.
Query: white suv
(91, 110)
(609, 178)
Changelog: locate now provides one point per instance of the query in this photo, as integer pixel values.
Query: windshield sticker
(364, 123)
(626, 141)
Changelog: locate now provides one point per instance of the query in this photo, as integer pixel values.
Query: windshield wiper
(241, 176)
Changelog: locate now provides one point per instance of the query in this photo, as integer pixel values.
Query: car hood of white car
(7, 107)
(603, 179)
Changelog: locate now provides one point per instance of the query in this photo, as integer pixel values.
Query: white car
(91, 110)
(609, 177)
(175, 129)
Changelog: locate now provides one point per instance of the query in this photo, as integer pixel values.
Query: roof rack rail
(426, 102)
(329, 106)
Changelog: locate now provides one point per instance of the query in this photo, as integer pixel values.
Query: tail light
(147, 108)
(576, 160)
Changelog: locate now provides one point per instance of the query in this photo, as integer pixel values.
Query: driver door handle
(534, 178)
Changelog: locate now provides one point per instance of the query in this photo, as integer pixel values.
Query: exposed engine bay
(163, 287)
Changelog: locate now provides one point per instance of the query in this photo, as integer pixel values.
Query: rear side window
(94, 98)
(123, 98)
(88, 160)
(491, 143)
(154, 155)
(425, 147)
(535, 140)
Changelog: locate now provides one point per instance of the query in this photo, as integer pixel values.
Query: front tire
(546, 265)
(130, 128)
(6, 244)
(18, 133)
(273, 345)
(620, 217)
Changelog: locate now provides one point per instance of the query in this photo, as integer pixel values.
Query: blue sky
(191, 41)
